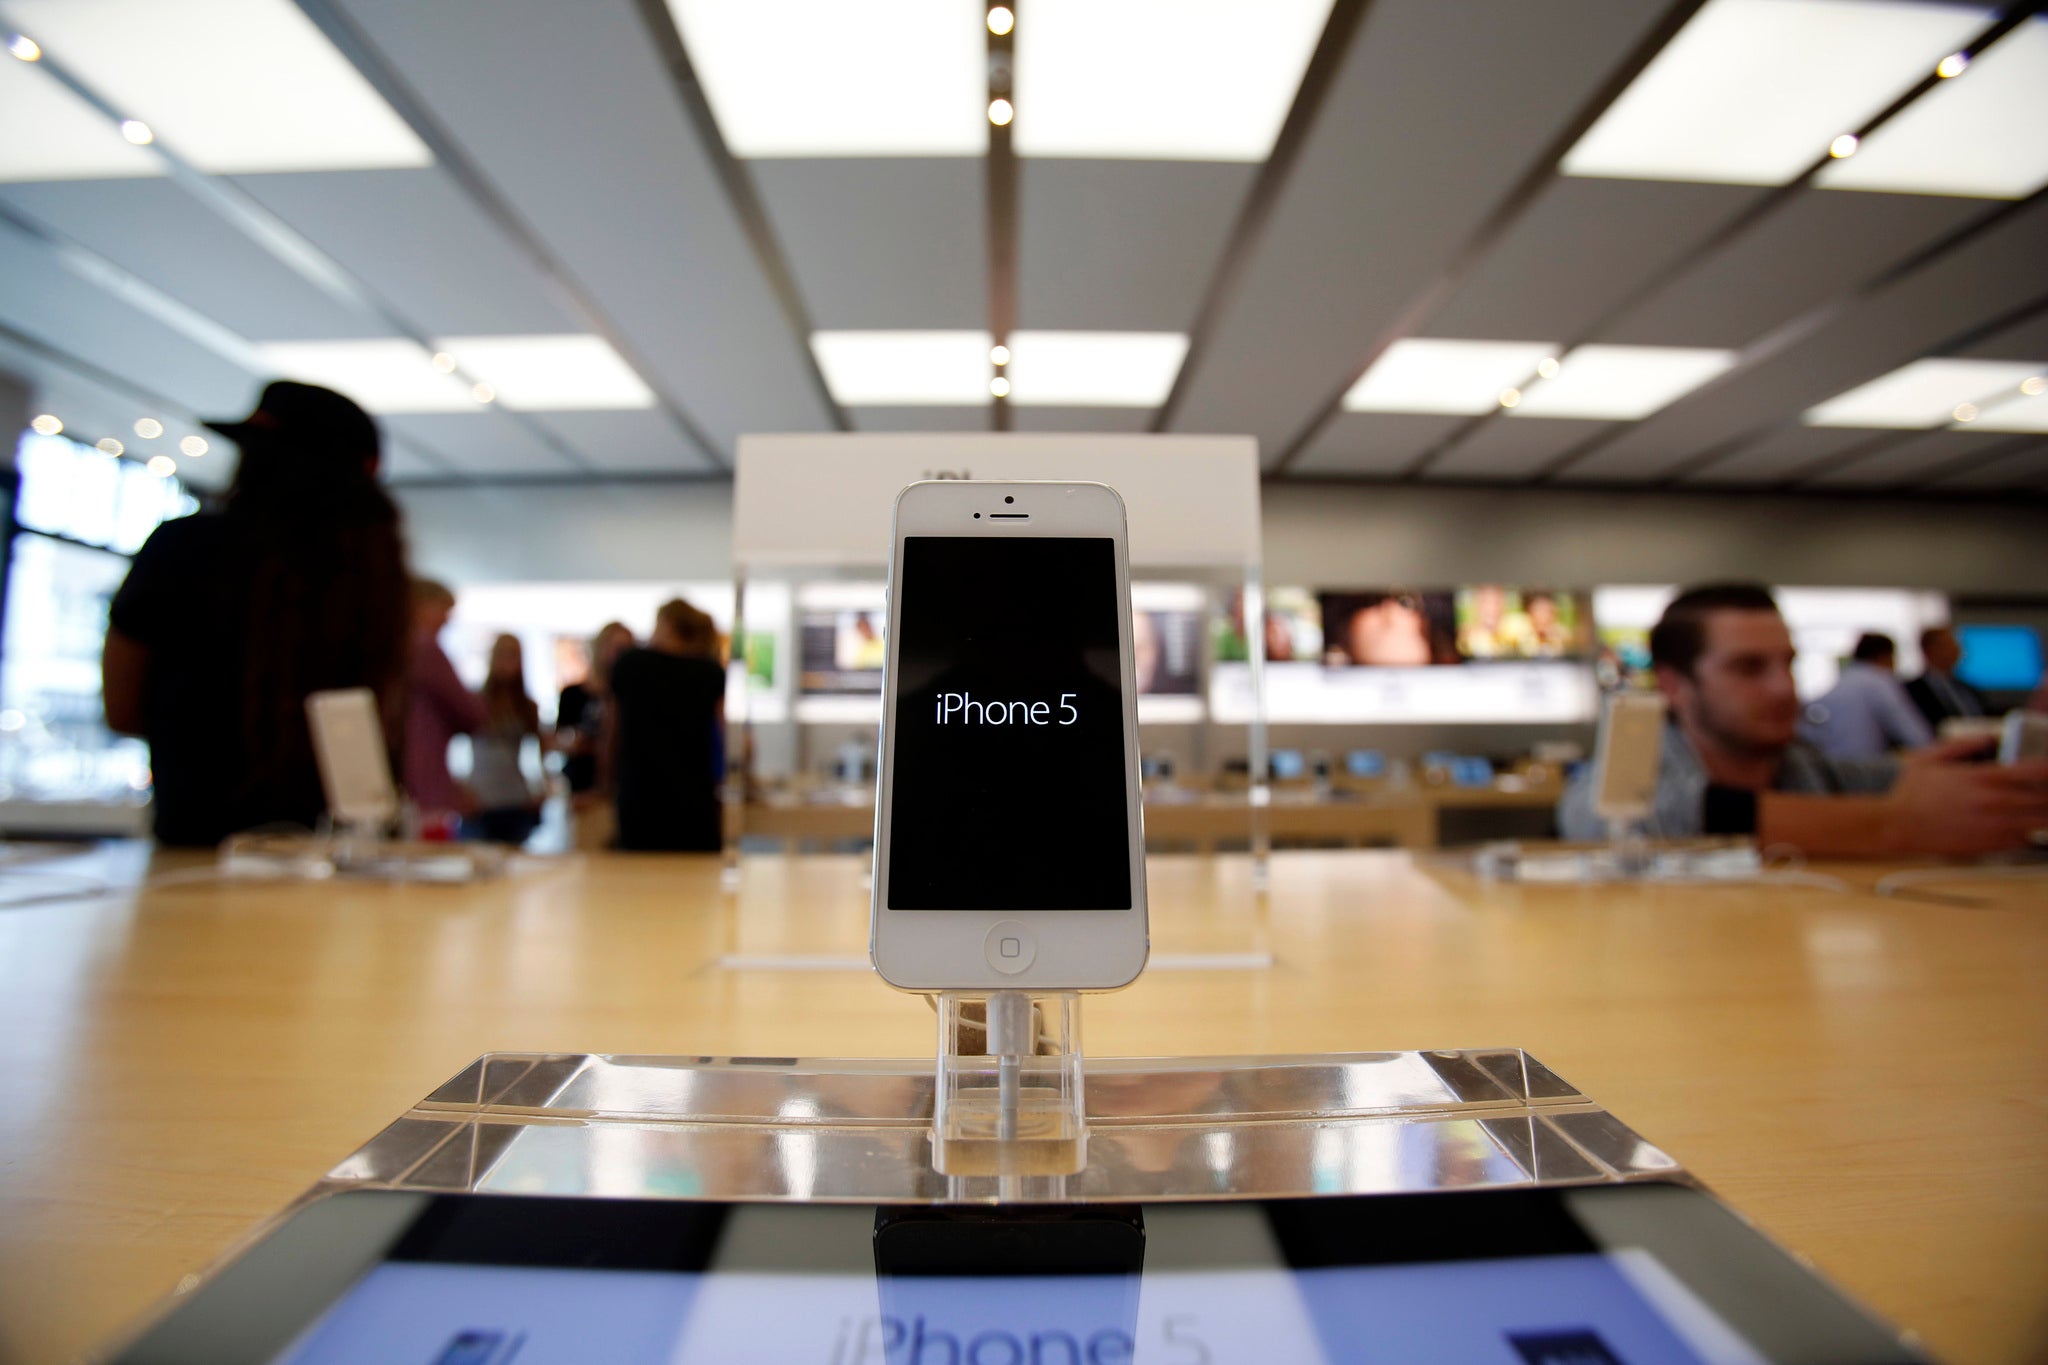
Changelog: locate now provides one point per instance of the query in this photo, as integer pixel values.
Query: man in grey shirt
(1733, 762)
(1867, 713)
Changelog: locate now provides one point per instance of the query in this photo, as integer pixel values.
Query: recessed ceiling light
(907, 369)
(828, 78)
(1001, 21)
(444, 362)
(1000, 113)
(999, 387)
(1965, 412)
(1843, 147)
(1547, 367)
(1510, 397)
(1953, 65)
(46, 424)
(148, 428)
(1750, 88)
(1922, 394)
(195, 446)
(1161, 80)
(24, 47)
(163, 466)
(383, 375)
(482, 393)
(2033, 385)
(137, 132)
(550, 373)
(1094, 369)
(1980, 137)
(240, 86)
(107, 445)
(73, 140)
(1621, 383)
(1423, 374)
(998, 355)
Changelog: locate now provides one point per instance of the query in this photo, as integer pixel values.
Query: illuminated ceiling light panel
(1094, 369)
(1461, 377)
(549, 373)
(234, 86)
(904, 369)
(1751, 92)
(2017, 414)
(385, 375)
(72, 140)
(1926, 393)
(1979, 133)
(1621, 383)
(1160, 80)
(788, 78)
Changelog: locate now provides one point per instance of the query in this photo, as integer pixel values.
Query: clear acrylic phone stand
(1009, 1098)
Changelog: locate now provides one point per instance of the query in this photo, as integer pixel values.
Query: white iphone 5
(348, 746)
(1628, 756)
(1009, 835)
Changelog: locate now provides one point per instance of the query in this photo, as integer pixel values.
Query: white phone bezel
(936, 950)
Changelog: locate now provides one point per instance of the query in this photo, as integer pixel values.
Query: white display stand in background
(818, 507)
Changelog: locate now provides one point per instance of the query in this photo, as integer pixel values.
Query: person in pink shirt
(440, 708)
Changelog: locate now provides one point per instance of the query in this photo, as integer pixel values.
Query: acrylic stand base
(317, 857)
(782, 1128)
(1008, 1097)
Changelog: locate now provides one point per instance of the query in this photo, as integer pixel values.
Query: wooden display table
(1862, 1076)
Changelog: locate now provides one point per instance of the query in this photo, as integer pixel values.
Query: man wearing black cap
(230, 619)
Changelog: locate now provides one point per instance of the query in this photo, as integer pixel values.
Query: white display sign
(1535, 692)
(826, 500)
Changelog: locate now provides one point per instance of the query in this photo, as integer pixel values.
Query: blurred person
(1733, 763)
(1548, 636)
(229, 620)
(506, 808)
(1867, 713)
(665, 736)
(1396, 628)
(1938, 692)
(439, 708)
(579, 712)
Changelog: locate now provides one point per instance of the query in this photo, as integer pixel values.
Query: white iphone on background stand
(1009, 835)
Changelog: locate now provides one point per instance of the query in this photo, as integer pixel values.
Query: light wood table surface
(1867, 1078)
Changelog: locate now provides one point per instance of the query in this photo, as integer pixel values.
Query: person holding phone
(1733, 762)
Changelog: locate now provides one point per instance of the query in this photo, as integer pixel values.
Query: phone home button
(1010, 946)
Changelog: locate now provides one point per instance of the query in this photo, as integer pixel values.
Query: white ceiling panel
(875, 243)
(1434, 114)
(1927, 393)
(1751, 92)
(72, 140)
(810, 78)
(1093, 369)
(625, 442)
(570, 113)
(1503, 449)
(1915, 459)
(1081, 420)
(158, 232)
(1121, 245)
(1160, 80)
(1975, 134)
(422, 246)
(1379, 444)
(233, 86)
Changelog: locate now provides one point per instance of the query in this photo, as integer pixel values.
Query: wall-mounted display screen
(2000, 658)
(1294, 627)
(1166, 652)
(1389, 627)
(1496, 621)
(842, 652)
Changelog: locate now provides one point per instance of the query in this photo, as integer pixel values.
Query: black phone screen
(1008, 782)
